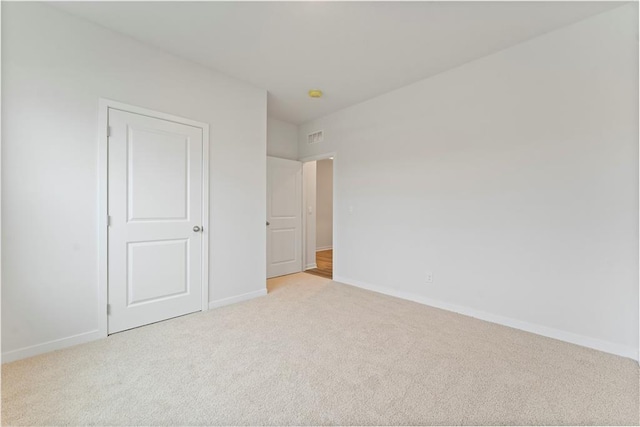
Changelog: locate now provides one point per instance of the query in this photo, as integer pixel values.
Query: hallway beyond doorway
(324, 262)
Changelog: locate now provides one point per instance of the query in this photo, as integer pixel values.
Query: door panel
(284, 215)
(155, 200)
(146, 282)
(283, 245)
(151, 155)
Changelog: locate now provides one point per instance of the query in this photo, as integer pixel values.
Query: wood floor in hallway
(324, 261)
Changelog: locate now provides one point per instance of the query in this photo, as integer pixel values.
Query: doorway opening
(318, 236)
(300, 217)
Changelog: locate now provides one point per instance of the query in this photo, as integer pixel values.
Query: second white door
(155, 210)
(284, 216)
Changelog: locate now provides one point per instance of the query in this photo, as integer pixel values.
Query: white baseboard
(85, 337)
(324, 248)
(46, 347)
(570, 337)
(238, 298)
(311, 266)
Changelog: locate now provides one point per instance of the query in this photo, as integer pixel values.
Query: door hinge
(108, 308)
(108, 131)
(108, 220)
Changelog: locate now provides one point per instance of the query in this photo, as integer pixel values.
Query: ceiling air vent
(314, 138)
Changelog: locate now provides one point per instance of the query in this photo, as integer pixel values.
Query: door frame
(303, 160)
(104, 105)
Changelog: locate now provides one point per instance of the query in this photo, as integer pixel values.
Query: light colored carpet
(317, 352)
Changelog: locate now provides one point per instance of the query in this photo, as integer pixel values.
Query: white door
(155, 219)
(284, 216)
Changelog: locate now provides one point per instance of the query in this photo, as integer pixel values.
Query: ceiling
(353, 51)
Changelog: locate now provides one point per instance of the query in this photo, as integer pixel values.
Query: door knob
(197, 228)
(268, 223)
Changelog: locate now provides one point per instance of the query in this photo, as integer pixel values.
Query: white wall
(54, 69)
(309, 170)
(513, 179)
(324, 204)
(282, 139)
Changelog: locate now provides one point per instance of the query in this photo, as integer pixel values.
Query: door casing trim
(103, 201)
